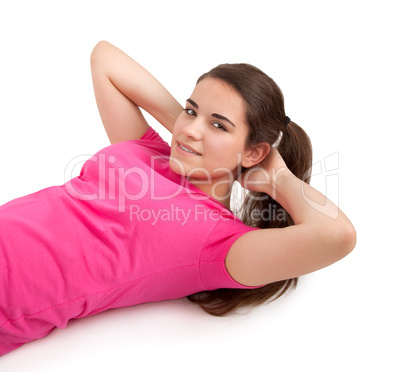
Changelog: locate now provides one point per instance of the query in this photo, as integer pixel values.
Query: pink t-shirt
(127, 231)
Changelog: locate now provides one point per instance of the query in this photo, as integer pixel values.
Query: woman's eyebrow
(221, 117)
(218, 116)
(192, 103)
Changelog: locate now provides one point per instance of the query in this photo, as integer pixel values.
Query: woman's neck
(219, 189)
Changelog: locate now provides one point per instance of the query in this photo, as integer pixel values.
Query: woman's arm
(322, 234)
(122, 86)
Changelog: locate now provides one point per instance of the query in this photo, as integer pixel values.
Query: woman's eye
(219, 126)
(190, 111)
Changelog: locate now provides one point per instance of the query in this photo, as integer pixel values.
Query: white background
(338, 64)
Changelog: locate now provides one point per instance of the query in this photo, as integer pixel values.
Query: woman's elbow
(99, 50)
(347, 239)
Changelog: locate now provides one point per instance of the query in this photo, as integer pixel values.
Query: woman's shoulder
(227, 231)
(152, 135)
(151, 143)
(213, 269)
(151, 140)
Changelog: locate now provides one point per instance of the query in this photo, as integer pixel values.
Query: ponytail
(266, 119)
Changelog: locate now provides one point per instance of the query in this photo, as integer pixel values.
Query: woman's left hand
(263, 177)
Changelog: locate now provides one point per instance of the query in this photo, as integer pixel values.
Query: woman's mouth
(187, 149)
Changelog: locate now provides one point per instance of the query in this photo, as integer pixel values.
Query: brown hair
(266, 118)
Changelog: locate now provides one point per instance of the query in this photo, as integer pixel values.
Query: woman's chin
(176, 166)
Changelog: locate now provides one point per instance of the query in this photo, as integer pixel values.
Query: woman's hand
(264, 176)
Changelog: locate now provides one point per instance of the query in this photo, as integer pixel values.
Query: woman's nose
(193, 130)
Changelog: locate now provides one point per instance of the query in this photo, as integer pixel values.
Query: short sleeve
(152, 140)
(152, 135)
(213, 270)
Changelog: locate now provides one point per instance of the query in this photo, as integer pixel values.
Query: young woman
(145, 221)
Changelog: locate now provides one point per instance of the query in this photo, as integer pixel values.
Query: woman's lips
(187, 149)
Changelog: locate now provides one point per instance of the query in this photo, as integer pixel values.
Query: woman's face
(209, 136)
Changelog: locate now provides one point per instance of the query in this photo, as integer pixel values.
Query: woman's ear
(256, 154)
